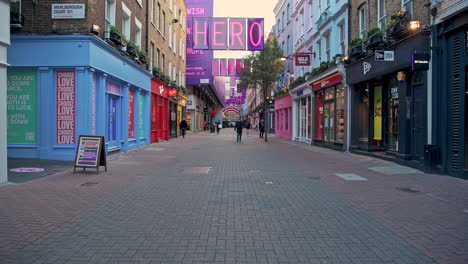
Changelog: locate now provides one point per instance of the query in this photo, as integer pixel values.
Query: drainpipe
(147, 31)
(348, 91)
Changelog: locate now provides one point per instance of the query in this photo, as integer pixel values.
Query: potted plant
(143, 58)
(337, 58)
(397, 26)
(116, 36)
(374, 38)
(298, 81)
(157, 72)
(356, 47)
(307, 76)
(165, 78)
(132, 49)
(323, 65)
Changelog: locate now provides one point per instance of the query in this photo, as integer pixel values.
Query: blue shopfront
(60, 87)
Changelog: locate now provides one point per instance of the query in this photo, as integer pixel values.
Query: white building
(4, 42)
(319, 98)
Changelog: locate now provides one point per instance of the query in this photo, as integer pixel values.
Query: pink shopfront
(283, 116)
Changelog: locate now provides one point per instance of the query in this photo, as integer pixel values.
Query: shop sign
(327, 82)
(299, 93)
(66, 107)
(420, 62)
(90, 153)
(21, 107)
(172, 92)
(384, 55)
(302, 59)
(222, 33)
(366, 67)
(68, 11)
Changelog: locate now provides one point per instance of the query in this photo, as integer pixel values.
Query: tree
(261, 69)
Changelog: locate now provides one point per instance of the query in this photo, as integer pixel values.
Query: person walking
(183, 127)
(247, 127)
(218, 127)
(239, 131)
(261, 127)
(204, 126)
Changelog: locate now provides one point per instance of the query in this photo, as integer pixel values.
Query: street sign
(384, 55)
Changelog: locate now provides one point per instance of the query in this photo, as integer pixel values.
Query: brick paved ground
(208, 199)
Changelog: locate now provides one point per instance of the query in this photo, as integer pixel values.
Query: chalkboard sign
(90, 153)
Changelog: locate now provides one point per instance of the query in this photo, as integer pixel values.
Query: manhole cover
(407, 189)
(27, 169)
(89, 184)
(196, 170)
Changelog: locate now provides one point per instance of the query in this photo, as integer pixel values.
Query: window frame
(362, 14)
(381, 14)
(126, 22)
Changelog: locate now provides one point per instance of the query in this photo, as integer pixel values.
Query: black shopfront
(388, 103)
(450, 95)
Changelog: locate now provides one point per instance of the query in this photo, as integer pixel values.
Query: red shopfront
(159, 110)
(330, 111)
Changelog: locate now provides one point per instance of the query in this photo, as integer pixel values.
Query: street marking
(196, 170)
(395, 169)
(350, 177)
(27, 169)
(269, 182)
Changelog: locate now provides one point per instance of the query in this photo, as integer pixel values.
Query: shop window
(309, 117)
(393, 104)
(329, 115)
(340, 113)
(377, 112)
(363, 115)
(319, 116)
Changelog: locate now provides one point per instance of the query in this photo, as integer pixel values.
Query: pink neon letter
(235, 34)
(259, 33)
(215, 33)
(204, 32)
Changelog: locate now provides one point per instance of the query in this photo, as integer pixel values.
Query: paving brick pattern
(160, 207)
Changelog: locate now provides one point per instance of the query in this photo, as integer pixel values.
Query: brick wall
(160, 38)
(392, 6)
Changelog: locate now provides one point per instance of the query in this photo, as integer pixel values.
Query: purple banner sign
(200, 33)
(199, 62)
(213, 33)
(238, 29)
(219, 33)
(255, 34)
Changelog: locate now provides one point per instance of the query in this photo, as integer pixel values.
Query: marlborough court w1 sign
(90, 153)
(222, 33)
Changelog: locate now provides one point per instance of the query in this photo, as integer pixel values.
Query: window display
(393, 115)
(340, 113)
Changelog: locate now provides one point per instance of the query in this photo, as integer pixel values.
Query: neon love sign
(221, 33)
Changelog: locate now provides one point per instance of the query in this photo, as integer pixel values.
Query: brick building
(80, 68)
(387, 74)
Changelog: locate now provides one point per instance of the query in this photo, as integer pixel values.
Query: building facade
(448, 134)
(4, 42)
(388, 90)
(93, 76)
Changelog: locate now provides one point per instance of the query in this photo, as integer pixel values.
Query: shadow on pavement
(49, 166)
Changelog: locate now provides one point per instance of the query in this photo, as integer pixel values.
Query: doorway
(112, 116)
(418, 138)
